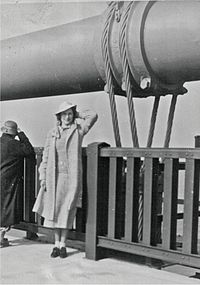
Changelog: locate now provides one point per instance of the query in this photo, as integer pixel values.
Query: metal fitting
(145, 82)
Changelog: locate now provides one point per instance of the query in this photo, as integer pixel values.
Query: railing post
(38, 151)
(191, 201)
(82, 204)
(197, 141)
(94, 201)
(197, 145)
(29, 193)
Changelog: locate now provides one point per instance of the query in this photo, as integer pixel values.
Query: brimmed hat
(64, 106)
(9, 127)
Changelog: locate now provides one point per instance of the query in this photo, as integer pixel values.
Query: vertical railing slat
(196, 209)
(39, 219)
(188, 204)
(146, 239)
(81, 206)
(170, 203)
(129, 200)
(167, 203)
(112, 198)
(150, 198)
(191, 194)
(132, 199)
(29, 187)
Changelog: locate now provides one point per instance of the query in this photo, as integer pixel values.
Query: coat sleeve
(43, 165)
(24, 147)
(88, 119)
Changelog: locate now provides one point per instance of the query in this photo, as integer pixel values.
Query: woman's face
(67, 117)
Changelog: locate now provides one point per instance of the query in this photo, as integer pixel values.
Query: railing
(122, 181)
(32, 223)
(142, 201)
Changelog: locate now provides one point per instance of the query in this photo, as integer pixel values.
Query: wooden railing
(123, 182)
(33, 223)
(130, 203)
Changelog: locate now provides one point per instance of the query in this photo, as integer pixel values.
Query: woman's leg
(63, 251)
(63, 237)
(57, 234)
(56, 249)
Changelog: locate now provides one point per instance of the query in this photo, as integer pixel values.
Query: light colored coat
(45, 202)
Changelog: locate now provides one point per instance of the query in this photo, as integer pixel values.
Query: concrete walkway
(28, 262)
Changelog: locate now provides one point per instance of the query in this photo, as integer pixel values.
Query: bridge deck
(28, 262)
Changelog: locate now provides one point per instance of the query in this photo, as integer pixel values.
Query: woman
(61, 172)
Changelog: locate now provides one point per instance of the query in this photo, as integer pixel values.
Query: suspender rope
(170, 120)
(149, 144)
(109, 75)
(127, 77)
(128, 87)
(153, 121)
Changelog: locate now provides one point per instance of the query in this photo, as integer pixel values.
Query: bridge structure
(134, 49)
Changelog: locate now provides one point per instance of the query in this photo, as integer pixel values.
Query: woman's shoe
(63, 252)
(55, 252)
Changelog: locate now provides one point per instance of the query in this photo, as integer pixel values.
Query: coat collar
(57, 131)
(7, 137)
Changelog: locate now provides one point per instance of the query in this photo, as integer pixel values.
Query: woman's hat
(64, 106)
(9, 127)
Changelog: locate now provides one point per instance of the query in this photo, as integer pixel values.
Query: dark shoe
(63, 252)
(55, 252)
(4, 242)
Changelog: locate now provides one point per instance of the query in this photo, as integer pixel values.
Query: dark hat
(9, 127)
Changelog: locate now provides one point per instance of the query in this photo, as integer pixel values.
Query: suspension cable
(170, 120)
(127, 77)
(153, 121)
(109, 74)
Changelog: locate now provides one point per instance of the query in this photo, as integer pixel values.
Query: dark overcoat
(12, 159)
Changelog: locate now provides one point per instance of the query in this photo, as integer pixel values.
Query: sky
(36, 116)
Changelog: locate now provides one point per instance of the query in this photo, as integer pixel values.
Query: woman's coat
(45, 202)
(13, 153)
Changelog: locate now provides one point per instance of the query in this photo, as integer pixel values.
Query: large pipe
(162, 43)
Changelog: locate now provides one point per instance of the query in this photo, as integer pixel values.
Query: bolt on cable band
(109, 75)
